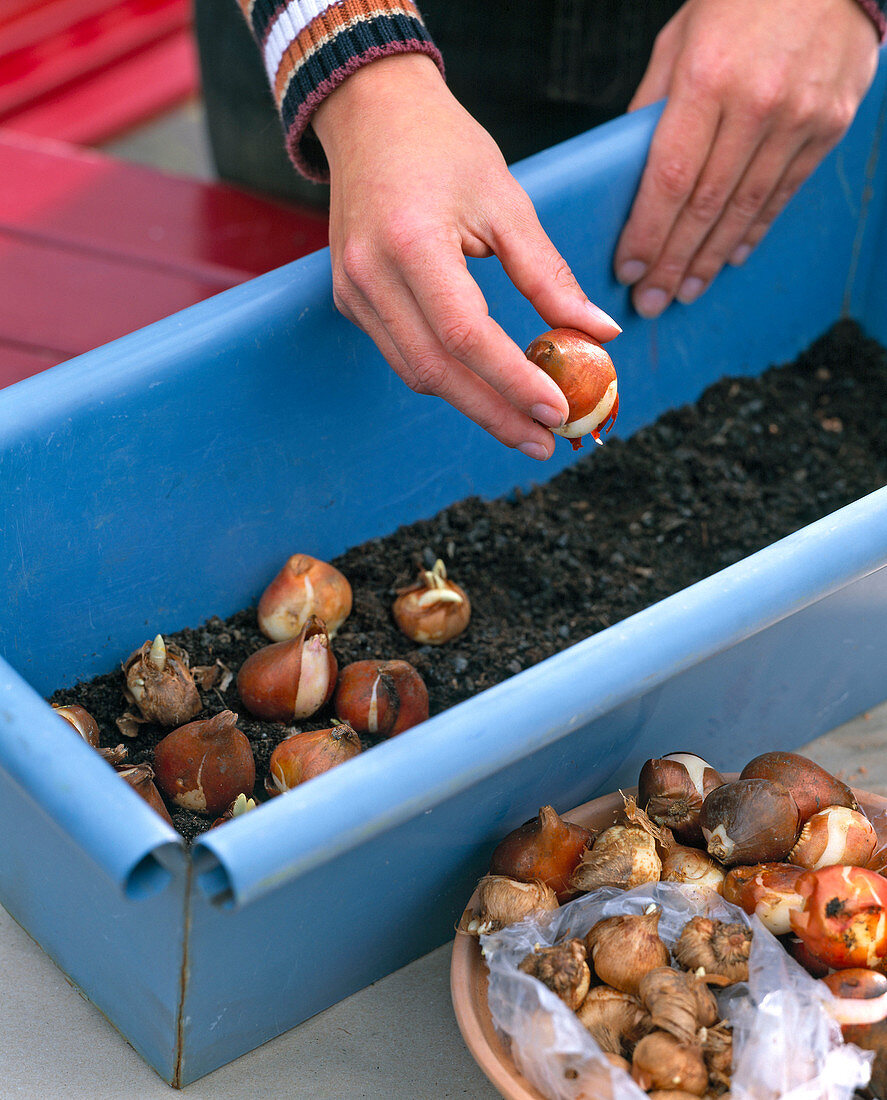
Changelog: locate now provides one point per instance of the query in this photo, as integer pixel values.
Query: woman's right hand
(417, 186)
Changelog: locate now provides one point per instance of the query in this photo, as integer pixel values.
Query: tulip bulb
(141, 778)
(672, 789)
(160, 684)
(380, 698)
(502, 901)
(626, 947)
(767, 890)
(812, 787)
(749, 821)
(433, 609)
(287, 681)
(585, 374)
(835, 835)
(303, 756)
(203, 766)
(305, 586)
(544, 849)
(81, 720)
(562, 968)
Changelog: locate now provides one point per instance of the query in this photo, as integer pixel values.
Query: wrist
(876, 16)
(374, 91)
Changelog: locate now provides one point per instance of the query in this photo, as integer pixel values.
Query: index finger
(457, 314)
(678, 153)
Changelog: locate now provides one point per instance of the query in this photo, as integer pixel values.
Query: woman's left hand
(758, 92)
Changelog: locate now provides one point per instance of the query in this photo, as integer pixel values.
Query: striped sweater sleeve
(310, 46)
(877, 12)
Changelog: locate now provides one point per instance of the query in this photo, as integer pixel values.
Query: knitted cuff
(874, 9)
(308, 53)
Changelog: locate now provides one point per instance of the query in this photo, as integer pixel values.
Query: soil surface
(707, 484)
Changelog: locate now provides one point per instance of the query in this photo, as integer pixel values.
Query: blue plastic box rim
(161, 479)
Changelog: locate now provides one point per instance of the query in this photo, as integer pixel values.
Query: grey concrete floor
(176, 142)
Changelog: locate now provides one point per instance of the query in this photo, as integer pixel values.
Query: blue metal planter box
(161, 479)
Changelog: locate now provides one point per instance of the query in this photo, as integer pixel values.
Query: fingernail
(600, 317)
(534, 450)
(690, 290)
(651, 302)
(548, 415)
(740, 254)
(630, 271)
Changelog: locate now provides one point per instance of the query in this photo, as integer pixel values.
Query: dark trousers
(532, 72)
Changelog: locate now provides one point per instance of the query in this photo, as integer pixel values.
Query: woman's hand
(758, 92)
(416, 186)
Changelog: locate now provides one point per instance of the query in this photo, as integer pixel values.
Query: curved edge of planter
(67, 781)
(421, 768)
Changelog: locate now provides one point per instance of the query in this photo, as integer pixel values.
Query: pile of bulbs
(206, 765)
(785, 841)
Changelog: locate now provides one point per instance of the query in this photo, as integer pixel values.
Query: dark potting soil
(707, 484)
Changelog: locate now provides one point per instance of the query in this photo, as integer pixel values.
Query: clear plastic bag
(785, 1043)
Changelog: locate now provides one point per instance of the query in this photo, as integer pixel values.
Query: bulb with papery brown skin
(562, 967)
(380, 698)
(81, 720)
(716, 947)
(203, 766)
(585, 374)
(812, 787)
(502, 901)
(672, 788)
(303, 756)
(160, 684)
(615, 1020)
(767, 890)
(623, 856)
(545, 849)
(305, 586)
(141, 778)
(836, 834)
(691, 867)
(624, 948)
(288, 681)
(433, 609)
(660, 1061)
(749, 821)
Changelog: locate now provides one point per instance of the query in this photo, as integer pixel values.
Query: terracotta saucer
(468, 971)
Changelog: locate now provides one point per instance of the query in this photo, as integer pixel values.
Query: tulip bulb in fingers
(585, 374)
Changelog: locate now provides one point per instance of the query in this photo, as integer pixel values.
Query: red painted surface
(92, 248)
(87, 70)
(117, 98)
